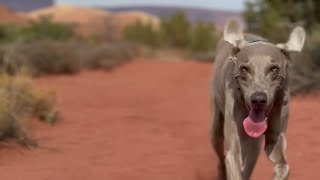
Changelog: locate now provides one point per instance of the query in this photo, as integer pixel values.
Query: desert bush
(40, 57)
(305, 74)
(175, 30)
(108, 56)
(19, 103)
(203, 38)
(44, 105)
(266, 17)
(51, 57)
(142, 33)
(9, 32)
(42, 29)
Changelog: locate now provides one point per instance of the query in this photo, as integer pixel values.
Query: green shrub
(44, 29)
(142, 33)
(203, 38)
(41, 29)
(175, 30)
(9, 32)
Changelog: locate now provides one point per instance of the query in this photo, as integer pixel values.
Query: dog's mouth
(256, 123)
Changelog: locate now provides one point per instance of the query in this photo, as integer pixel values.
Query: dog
(250, 101)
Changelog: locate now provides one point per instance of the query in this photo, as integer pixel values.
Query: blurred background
(118, 89)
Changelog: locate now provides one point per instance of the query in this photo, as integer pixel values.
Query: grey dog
(250, 98)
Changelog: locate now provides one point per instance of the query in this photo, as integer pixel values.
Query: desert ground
(145, 120)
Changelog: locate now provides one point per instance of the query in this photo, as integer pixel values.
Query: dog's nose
(259, 98)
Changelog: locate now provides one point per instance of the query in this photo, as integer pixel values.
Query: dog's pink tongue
(255, 124)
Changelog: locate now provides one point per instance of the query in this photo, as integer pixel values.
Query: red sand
(148, 120)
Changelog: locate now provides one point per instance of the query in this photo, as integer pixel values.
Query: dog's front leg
(275, 145)
(233, 161)
(276, 153)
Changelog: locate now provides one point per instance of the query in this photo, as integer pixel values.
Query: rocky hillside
(217, 17)
(122, 19)
(90, 22)
(86, 21)
(8, 16)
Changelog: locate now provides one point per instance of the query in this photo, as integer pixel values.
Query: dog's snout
(259, 99)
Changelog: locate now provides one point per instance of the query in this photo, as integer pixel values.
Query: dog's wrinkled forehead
(260, 49)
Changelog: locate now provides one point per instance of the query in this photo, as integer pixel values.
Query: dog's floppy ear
(296, 40)
(233, 33)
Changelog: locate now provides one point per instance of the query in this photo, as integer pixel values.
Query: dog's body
(237, 90)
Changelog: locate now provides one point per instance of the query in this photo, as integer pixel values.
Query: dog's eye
(244, 69)
(275, 68)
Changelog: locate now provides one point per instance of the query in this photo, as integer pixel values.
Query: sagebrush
(19, 103)
(53, 57)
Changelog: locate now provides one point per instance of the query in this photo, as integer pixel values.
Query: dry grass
(40, 58)
(19, 103)
(107, 56)
(50, 57)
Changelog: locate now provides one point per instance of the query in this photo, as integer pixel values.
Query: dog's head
(260, 70)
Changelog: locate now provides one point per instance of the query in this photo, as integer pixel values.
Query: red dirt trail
(147, 120)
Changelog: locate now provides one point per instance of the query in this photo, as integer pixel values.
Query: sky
(212, 4)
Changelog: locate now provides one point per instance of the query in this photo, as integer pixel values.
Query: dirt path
(147, 120)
